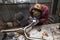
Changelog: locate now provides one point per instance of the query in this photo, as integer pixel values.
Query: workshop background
(7, 10)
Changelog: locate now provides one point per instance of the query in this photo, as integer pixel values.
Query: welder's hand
(30, 19)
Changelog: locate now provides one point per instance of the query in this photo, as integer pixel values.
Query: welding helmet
(36, 10)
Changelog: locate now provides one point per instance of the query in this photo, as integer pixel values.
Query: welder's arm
(44, 18)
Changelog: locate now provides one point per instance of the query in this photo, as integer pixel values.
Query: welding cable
(30, 25)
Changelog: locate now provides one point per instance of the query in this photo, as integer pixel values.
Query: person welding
(40, 12)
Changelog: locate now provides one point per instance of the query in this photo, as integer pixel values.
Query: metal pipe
(26, 34)
(11, 30)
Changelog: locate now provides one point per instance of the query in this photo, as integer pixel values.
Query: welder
(39, 11)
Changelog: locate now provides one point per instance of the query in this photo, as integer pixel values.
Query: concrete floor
(50, 28)
(47, 27)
